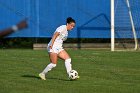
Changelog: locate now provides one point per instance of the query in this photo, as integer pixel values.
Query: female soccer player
(56, 50)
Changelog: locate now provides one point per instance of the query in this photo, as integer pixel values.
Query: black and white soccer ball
(73, 75)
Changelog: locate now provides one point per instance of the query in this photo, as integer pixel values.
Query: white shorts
(55, 49)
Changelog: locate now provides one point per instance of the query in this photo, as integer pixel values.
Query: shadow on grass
(49, 78)
(30, 76)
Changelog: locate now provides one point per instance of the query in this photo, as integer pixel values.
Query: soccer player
(19, 26)
(56, 50)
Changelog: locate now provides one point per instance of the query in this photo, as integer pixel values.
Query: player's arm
(19, 26)
(56, 34)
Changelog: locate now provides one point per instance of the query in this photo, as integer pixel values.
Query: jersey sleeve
(60, 29)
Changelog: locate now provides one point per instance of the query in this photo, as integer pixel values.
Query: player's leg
(65, 56)
(49, 67)
(53, 60)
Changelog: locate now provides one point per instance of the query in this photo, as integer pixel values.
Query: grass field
(101, 71)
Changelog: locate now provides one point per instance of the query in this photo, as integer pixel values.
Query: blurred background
(44, 16)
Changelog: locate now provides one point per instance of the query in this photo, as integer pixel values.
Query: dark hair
(70, 20)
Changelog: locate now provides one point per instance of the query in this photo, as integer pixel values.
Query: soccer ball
(73, 75)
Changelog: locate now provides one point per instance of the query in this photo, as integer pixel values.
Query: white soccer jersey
(63, 33)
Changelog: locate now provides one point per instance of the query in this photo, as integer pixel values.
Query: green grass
(100, 71)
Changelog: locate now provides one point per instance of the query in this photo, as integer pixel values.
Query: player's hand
(50, 46)
(22, 24)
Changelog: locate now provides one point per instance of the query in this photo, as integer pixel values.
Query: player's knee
(68, 60)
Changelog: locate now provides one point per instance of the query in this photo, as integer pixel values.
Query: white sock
(49, 68)
(68, 65)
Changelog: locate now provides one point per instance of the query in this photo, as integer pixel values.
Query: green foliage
(28, 42)
(16, 43)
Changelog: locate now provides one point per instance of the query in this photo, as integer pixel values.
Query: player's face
(70, 26)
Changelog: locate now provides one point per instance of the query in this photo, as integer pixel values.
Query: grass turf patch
(100, 72)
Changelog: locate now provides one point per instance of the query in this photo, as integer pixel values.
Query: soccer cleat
(42, 76)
